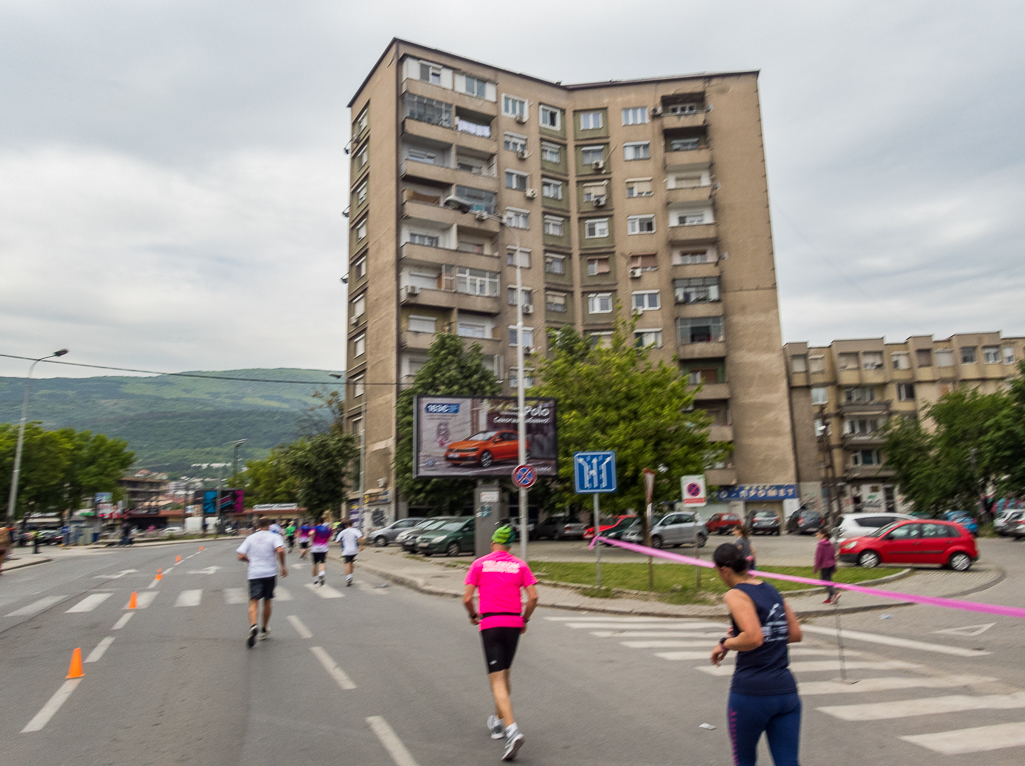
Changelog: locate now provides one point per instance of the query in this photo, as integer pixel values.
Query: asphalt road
(388, 676)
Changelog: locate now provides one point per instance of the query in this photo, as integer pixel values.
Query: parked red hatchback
(944, 543)
(723, 523)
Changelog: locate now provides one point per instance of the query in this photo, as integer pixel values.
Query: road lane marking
(967, 630)
(52, 706)
(97, 653)
(818, 666)
(144, 599)
(676, 656)
(668, 645)
(904, 643)
(280, 594)
(122, 621)
(36, 606)
(89, 603)
(614, 626)
(189, 597)
(235, 596)
(325, 591)
(580, 617)
(332, 667)
(391, 742)
(954, 703)
(300, 627)
(656, 634)
(889, 683)
(977, 740)
(154, 583)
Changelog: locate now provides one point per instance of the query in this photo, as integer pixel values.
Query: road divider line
(52, 706)
(89, 603)
(889, 683)
(144, 599)
(904, 643)
(122, 621)
(300, 627)
(398, 752)
(97, 653)
(189, 597)
(977, 740)
(36, 606)
(153, 584)
(332, 668)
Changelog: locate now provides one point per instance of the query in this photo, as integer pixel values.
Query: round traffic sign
(524, 476)
(694, 489)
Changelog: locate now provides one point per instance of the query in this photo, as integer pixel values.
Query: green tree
(451, 370)
(319, 465)
(94, 463)
(1004, 445)
(268, 480)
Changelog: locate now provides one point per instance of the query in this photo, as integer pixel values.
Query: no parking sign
(693, 489)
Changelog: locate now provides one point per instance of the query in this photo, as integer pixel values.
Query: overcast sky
(172, 174)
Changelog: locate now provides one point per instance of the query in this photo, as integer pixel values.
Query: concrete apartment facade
(652, 193)
(843, 393)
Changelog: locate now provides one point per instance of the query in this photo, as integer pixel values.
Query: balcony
(684, 235)
(688, 194)
(867, 472)
(701, 351)
(688, 160)
(421, 341)
(721, 477)
(696, 270)
(881, 407)
(720, 434)
(713, 392)
(862, 441)
(441, 134)
(449, 299)
(442, 256)
(415, 208)
(675, 121)
(448, 175)
(462, 101)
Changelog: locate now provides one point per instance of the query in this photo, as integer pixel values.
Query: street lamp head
(337, 375)
(457, 203)
(62, 352)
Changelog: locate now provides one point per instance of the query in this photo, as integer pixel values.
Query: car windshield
(765, 515)
(623, 523)
(452, 526)
(882, 530)
(482, 436)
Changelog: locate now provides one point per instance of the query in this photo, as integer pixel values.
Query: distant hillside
(172, 422)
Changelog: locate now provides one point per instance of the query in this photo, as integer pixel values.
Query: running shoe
(348, 583)
(512, 746)
(251, 639)
(496, 727)
(265, 634)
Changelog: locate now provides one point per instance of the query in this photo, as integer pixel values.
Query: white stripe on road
(818, 666)
(189, 597)
(300, 627)
(235, 596)
(889, 683)
(89, 603)
(391, 742)
(97, 653)
(676, 656)
(651, 625)
(955, 703)
(332, 668)
(154, 583)
(904, 643)
(656, 634)
(677, 622)
(144, 599)
(325, 591)
(668, 645)
(36, 606)
(52, 706)
(122, 621)
(280, 594)
(977, 740)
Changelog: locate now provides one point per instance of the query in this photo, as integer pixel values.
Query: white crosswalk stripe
(235, 596)
(713, 637)
(89, 603)
(955, 703)
(889, 683)
(280, 594)
(976, 740)
(145, 598)
(191, 597)
(325, 591)
(819, 666)
(36, 606)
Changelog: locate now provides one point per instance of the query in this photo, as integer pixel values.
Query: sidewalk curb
(10, 566)
(158, 543)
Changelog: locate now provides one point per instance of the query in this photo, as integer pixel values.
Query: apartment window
(359, 345)
(427, 240)
(690, 258)
(688, 180)
(556, 302)
(1008, 355)
(363, 158)
(638, 187)
(683, 144)
(906, 392)
(648, 262)
(859, 395)
(550, 117)
(592, 154)
(430, 73)
(900, 360)
(923, 357)
(422, 155)
(528, 379)
(359, 268)
(475, 87)
(425, 280)
(554, 226)
(472, 165)
(515, 180)
(469, 329)
(512, 260)
(991, 354)
(639, 150)
(422, 324)
(477, 248)
(476, 281)
(819, 395)
(648, 338)
(357, 386)
(359, 306)
(678, 109)
(555, 264)
(872, 360)
(551, 189)
(551, 153)
(640, 224)
(799, 363)
(599, 303)
(361, 193)
(524, 296)
(361, 230)
(427, 110)
(593, 192)
(847, 361)
(697, 376)
(479, 199)
(596, 228)
(528, 336)
(363, 121)
(646, 300)
(866, 457)
(517, 219)
(944, 357)
(515, 143)
(635, 115)
(861, 426)
(590, 120)
(601, 339)
(513, 107)
(598, 266)
(696, 290)
(968, 355)
(690, 217)
(699, 330)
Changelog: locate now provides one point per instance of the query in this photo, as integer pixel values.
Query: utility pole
(829, 468)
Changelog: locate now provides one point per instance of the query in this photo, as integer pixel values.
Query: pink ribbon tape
(948, 603)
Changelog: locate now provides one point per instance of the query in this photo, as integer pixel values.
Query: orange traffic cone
(160, 574)
(133, 602)
(177, 559)
(75, 669)
(201, 547)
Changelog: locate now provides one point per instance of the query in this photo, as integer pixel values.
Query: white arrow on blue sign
(594, 472)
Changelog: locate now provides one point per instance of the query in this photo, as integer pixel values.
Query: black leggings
(826, 573)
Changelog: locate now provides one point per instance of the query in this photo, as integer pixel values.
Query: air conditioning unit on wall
(412, 290)
(598, 201)
(522, 154)
(656, 111)
(635, 272)
(521, 119)
(528, 309)
(530, 193)
(598, 167)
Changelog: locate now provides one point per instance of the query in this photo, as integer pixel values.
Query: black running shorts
(499, 647)
(261, 588)
(304, 543)
(319, 557)
(349, 559)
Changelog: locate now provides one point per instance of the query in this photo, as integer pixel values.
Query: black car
(804, 523)
(764, 522)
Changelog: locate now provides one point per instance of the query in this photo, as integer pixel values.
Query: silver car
(673, 529)
(381, 537)
(1006, 522)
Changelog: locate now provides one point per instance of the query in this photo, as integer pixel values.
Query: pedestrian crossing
(884, 689)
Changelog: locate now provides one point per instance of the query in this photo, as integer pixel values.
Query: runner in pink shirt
(498, 578)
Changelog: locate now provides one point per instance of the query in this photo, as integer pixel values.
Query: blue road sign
(594, 472)
(524, 476)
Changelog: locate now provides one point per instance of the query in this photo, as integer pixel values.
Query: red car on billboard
(485, 448)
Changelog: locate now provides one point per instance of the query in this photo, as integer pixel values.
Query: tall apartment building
(843, 393)
(651, 193)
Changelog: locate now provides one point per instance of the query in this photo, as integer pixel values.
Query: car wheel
(702, 540)
(960, 562)
(452, 549)
(868, 560)
(426, 553)
(779, 532)
(486, 459)
(656, 541)
(381, 541)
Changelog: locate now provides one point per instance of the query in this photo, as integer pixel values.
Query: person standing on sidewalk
(498, 578)
(825, 562)
(264, 551)
(321, 536)
(351, 539)
(763, 695)
(744, 544)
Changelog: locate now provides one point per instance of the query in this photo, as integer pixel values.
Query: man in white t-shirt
(350, 538)
(264, 551)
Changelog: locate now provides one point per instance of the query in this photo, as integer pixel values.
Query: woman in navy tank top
(763, 695)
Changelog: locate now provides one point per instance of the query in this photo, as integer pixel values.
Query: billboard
(232, 500)
(470, 436)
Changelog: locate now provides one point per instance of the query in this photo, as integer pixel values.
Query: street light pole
(362, 446)
(13, 497)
